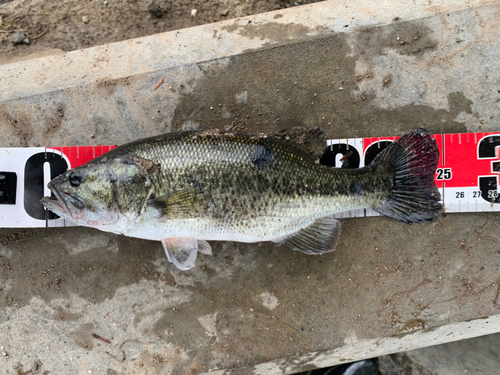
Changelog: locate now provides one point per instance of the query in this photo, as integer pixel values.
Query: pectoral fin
(318, 238)
(183, 251)
(180, 205)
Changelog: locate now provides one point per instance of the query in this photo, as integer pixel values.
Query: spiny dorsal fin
(312, 141)
(181, 204)
(318, 238)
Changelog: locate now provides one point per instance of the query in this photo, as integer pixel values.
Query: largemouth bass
(186, 188)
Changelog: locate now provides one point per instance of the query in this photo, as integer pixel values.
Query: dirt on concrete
(55, 26)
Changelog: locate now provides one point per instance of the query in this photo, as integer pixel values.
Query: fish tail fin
(413, 160)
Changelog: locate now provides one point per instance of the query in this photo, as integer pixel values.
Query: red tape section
(79, 155)
(463, 157)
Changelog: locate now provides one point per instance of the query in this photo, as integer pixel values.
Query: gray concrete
(355, 69)
(477, 356)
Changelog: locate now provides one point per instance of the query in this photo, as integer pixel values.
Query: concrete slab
(477, 356)
(75, 300)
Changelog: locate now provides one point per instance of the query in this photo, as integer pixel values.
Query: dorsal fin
(311, 141)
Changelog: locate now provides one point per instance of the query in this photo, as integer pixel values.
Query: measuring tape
(468, 174)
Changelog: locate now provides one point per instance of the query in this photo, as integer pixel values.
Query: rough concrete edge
(363, 349)
(204, 43)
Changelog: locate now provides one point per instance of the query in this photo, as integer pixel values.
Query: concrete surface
(352, 67)
(477, 356)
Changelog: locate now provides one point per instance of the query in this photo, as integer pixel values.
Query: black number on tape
(443, 174)
(34, 182)
(489, 184)
(493, 194)
(8, 185)
(351, 161)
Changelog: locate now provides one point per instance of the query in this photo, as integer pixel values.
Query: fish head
(106, 195)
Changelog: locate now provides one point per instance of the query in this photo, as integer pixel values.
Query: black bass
(186, 188)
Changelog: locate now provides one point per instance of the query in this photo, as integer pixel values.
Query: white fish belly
(278, 223)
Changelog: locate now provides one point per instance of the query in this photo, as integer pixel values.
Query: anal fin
(318, 238)
(183, 251)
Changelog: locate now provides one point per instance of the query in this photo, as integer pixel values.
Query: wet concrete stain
(315, 85)
(16, 124)
(106, 86)
(413, 325)
(53, 118)
(82, 336)
(41, 265)
(458, 103)
(65, 316)
(239, 319)
(36, 369)
(270, 31)
(411, 38)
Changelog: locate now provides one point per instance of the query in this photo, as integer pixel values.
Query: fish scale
(289, 188)
(189, 187)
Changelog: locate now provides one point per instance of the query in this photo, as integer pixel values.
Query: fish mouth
(59, 204)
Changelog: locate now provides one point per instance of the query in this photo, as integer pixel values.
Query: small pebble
(194, 12)
(92, 135)
(18, 37)
(156, 11)
(224, 13)
(105, 3)
(26, 41)
(85, 19)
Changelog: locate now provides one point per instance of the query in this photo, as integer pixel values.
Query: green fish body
(188, 188)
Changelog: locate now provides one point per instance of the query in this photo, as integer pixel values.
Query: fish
(187, 188)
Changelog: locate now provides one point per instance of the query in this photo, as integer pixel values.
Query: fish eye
(75, 179)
